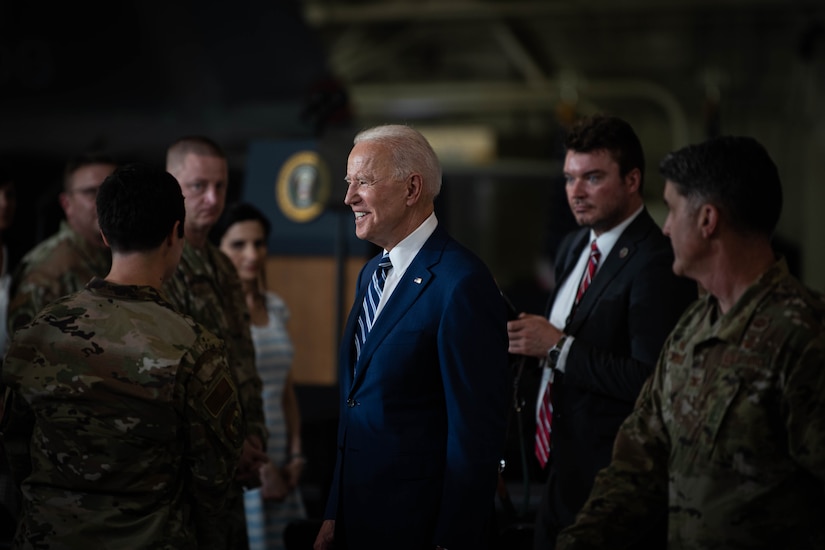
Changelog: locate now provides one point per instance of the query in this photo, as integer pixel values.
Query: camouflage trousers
(235, 519)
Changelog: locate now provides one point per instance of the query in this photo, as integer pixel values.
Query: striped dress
(273, 356)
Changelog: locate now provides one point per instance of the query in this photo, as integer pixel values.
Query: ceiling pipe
(319, 14)
(413, 100)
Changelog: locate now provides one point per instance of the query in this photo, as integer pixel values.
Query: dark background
(129, 77)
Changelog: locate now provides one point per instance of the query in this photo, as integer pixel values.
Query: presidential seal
(303, 186)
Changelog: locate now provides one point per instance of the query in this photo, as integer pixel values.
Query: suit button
(351, 402)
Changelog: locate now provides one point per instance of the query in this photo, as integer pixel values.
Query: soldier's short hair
(735, 174)
(87, 158)
(197, 145)
(137, 207)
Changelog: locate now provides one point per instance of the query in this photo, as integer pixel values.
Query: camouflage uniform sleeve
(630, 494)
(26, 302)
(215, 437)
(803, 408)
(16, 430)
(250, 387)
(39, 283)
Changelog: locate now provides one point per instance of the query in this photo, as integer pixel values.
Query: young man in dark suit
(615, 303)
(423, 399)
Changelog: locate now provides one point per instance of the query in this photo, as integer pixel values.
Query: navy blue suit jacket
(422, 424)
(619, 328)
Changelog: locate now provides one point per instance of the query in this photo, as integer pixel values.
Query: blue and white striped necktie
(371, 300)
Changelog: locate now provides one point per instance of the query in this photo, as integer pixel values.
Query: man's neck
(197, 238)
(136, 268)
(93, 241)
(734, 268)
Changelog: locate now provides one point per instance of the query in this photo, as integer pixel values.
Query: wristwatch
(553, 353)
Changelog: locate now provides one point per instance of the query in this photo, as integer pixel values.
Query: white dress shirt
(402, 256)
(566, 295)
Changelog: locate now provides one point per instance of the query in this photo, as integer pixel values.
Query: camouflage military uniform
(728, 436)
(137, 431)
(58, 266)
(206, 286)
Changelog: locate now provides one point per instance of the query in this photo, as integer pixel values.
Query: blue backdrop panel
(332, 232)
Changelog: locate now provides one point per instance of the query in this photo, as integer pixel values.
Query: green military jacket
(60, 265)
(727, 439)
(136, 425)
(206, 286)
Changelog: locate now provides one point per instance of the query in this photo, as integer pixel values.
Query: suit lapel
(621, 253)
(348, 338)
(569, 255)
(409, 288)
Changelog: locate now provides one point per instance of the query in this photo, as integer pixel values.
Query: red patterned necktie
(543, 427)
(592, 264)
(544, 421)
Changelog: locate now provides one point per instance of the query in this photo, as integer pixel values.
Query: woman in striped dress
(242, 234)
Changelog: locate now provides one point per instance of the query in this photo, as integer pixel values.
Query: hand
(292, 471)
(532, 335)
(325, 539)
(273, 485)
(252, 458)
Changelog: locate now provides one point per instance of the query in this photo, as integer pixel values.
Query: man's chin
(206, 222)
(362, 232)
(97, 240)
(678, 268)
(583, 221)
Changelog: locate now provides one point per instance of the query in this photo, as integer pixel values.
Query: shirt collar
(608, 239)
(731, 326)
(405, 251)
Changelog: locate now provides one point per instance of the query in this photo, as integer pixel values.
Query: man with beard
(615, 303)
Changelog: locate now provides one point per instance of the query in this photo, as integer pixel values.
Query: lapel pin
(417, 280)
(623, 252)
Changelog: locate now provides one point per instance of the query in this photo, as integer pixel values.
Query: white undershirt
(567, 292)
(402, 256)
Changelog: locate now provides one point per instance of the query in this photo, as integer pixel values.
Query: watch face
(555, 351)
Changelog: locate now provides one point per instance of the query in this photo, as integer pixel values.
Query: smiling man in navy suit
(424, 391)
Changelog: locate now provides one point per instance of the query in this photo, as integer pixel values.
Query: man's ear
(63, 199)
(415, 188)
(105, 240)
(174, 233)
(633, 179)
(708, 220)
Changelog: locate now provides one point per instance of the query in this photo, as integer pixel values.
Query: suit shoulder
(568, 242)
(461, 257)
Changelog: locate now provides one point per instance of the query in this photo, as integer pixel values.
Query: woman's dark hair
(235, 213)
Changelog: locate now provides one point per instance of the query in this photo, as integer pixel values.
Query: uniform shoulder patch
(217, 398)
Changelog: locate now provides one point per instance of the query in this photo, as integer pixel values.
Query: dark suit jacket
(619, 328)
(422, 425)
